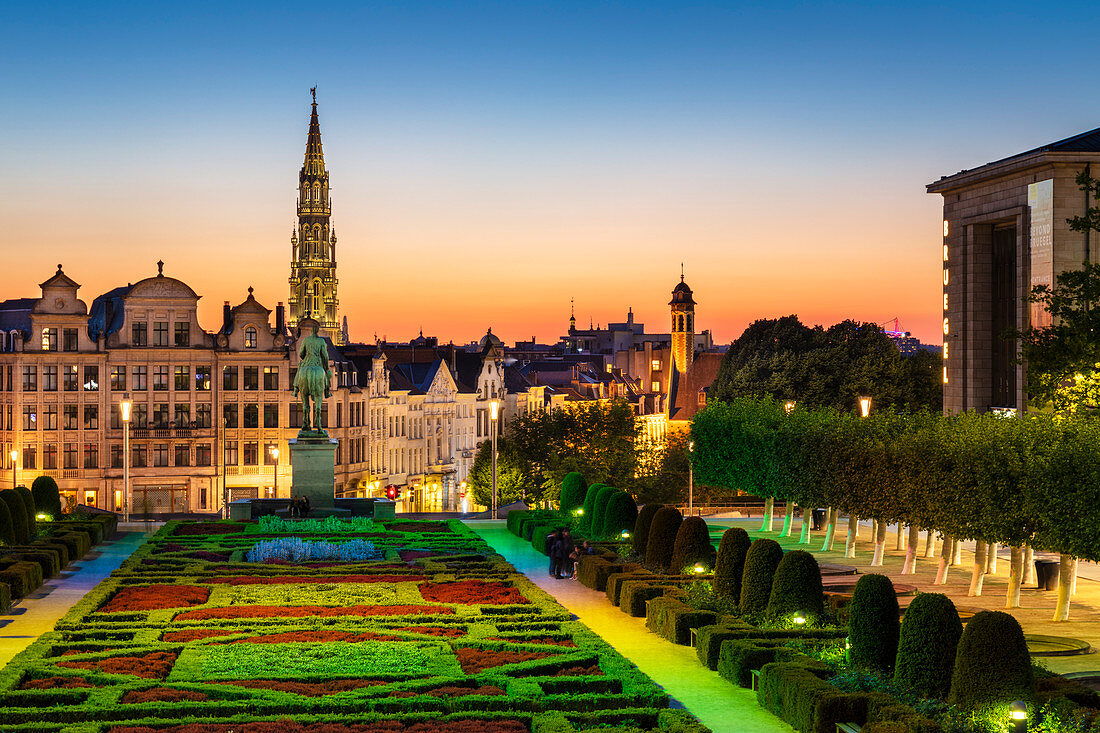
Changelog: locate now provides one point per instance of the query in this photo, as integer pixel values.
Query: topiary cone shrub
(873, 625)
(641, 527)
(620, 515)
(730, 565)
(761, 561)
(662, 537)
(18, 511)
(929, 637)
(589, 504)
(599, 509)
(573, 490)
(7, 531)
(46, 496)
(32, 511)
(796, 588)
(992, 665)
(692, 546)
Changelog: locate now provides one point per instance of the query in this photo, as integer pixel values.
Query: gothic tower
(683, 326)
(313, 244)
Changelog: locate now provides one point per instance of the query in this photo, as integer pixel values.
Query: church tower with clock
(313, 244)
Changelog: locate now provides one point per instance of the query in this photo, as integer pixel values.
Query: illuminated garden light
(625, 535)
(799, 619)
(1017, 713)
(699, 568)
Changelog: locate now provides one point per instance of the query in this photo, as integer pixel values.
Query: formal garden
(763, 619)
(324, 625)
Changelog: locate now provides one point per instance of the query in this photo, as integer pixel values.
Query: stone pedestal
(313, 470)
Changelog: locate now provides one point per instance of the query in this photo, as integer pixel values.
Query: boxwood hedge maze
(414, 627)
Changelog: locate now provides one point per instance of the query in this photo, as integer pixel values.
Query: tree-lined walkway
(718, 704)
(37, 613)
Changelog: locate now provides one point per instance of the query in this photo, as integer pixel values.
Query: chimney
(280, 320)
(227, 317)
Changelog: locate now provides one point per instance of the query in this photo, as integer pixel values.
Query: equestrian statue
(312, 381)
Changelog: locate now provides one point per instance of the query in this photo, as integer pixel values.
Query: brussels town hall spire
(313, 244)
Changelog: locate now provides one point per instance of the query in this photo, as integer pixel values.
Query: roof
(106, 315)
(15, 314)
(684, 396)
(681, 293)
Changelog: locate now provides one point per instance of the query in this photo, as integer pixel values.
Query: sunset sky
(490, 161)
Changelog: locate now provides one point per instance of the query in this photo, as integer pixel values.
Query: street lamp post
(494, 408)
(275, 471)
(125, 406)
(691, 478)
(14, 455)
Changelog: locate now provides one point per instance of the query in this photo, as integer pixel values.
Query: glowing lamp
(625, 535)
(14, 454)
(578, 511)
(126, 405)
(42, 517)
(1018, 710)
(799, 619)
(698, 569)
(789, 406)
(494, 408)
(865, 406)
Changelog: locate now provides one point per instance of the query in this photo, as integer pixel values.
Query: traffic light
(391, 492)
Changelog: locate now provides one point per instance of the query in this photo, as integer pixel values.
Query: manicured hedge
(5, 597)
(662, 538)
(796, 587)
(589, 505)
(709, 639)
(30, 509)
(573, 491)
(18, 511)
(927, 645)
(738, 658)
(761, 561)
(641, 527)
(599, 510)
(614, 582)
(595, 570)
(512, 521)
(730, 564)
(795, 692)
(873, 626)
(7, 528)
(47, 498)
(633, 596)
(620, 515)
(22, 577)
(692, 546)
(992, 665)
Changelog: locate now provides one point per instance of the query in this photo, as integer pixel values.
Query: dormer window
(49, 339)
(250, 338)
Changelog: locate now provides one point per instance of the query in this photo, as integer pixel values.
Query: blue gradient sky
(492, 160)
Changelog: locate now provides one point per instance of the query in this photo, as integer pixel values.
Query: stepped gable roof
(683, 397)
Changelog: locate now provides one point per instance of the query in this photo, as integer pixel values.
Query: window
(91, 455)
(269, 458)
(72, 417)
(251, 453)
(160, 378)
(160, 333)
(118, 378)
(339, 451)
(250, 338)
(160, 455)
(340, 415)
(251, 416)
(141, 378)
(203, 415)
(69, 456)
(160, 416)
(72, 377)
(251, 378)
(202, 454)
(49, 457)
(655, 365)
(49, 339)
(271, 416)
(139, 456)
(116, 417)
(140, 415)
(49, 417)
(229, 377)
(654, 386)
(70, 340)
(116, 456)
(30, 378)
(49, 378)
(30, 455)
(182, 379)
(91, 378)
(229, 415)
(231, 453)
(183, 415)
(183, 335)
(202, 378)
(91, 417)
(702, 398)
(139, 333)
(271, 377)
(183, 454)
(296, 415)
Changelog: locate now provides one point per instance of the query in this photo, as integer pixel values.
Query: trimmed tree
(873, 625)
(620, 515)
(692, 546)
(796, 587)
(573, 490)
(929, 639)
(992, 665)
(662, 537)
(589, 505)
(641, 527)
(761, 561)
(32, 510)
(730, 565)
(46, 496)
(18, 511)
(7, 530)
(599, 509)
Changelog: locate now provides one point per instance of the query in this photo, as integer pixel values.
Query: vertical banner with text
(1040, 204)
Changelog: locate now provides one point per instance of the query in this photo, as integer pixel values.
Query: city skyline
(489, 163)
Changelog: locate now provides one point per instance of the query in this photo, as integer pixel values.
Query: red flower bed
(195, 634)
(206, 528)
(209, 556)
(448, 631)
(473, 660)
(536, 640)
(450, 691)
(471, 591)
(410, 555)
(163, 694)
(289, 726)
(298, 611)
(154, 665)
(310, 689)
(153, 597)
(71, 652)
(172, 547)
(53, 683)
(290, 579)
(418, 527)
(579, 671)
(315, 635)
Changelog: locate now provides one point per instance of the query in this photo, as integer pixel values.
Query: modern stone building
(1005, 231)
